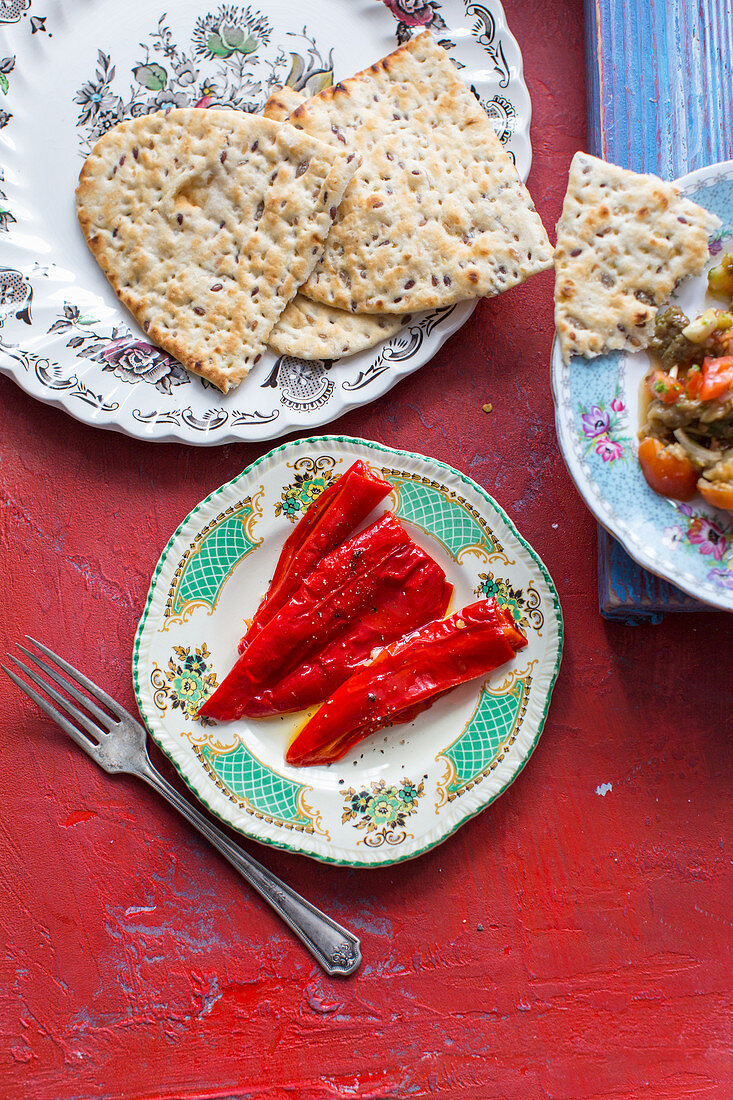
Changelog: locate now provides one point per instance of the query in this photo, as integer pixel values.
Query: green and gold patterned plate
(406, 788)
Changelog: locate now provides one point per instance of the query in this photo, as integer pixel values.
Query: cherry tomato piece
(693, 382)
(665, 472)
(665, 388)
(717, 494)
(717, 377)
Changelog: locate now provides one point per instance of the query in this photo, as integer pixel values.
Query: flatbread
(624, 241)
(282, 102)
(206, 222)
(437, 213)
(311, 330)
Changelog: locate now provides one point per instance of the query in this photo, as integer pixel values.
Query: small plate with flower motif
(406, 788)
(598, 416)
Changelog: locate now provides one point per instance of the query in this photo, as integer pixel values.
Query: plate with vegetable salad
(348, 651)
(648, 438)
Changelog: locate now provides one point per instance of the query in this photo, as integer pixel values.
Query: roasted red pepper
(406, 677)
(330, 519)
(327, 601)
(408, 599)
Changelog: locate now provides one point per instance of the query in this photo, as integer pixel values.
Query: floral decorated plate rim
(483, 737)
(64, 337)
(597, 420)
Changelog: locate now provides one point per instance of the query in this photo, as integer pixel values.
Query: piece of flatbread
(437, 213)
(282, 103)
(624, 241)
(206, 222)
(311, 330)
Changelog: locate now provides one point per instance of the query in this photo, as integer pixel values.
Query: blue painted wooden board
(660, 89)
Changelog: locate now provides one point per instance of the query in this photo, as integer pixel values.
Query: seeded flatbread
(311, 330)
(282, 103)
(437, 213)
(206, 222)
(624, 241)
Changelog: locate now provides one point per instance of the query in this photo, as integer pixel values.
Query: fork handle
(337, 950)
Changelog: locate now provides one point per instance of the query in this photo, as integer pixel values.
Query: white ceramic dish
(74, 69)
(597, 416)
(406, 788)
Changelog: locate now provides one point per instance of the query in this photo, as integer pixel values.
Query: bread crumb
(487, 408)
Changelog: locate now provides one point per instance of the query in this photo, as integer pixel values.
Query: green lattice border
(493, 548)
(248, 503)
(306, 826)
(350, 442)
(444, 791)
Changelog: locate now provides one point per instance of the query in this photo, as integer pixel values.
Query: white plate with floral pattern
(598, 417)
(73, 69)
(406, 788)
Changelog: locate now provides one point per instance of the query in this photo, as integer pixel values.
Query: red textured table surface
(567, 943)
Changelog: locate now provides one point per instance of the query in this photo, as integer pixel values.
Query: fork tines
(104, 723)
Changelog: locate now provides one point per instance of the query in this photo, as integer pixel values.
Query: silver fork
(118, 744)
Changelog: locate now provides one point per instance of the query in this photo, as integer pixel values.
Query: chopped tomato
(717, 493)
(717, 377)
(666, 473)
(693, 382)
(666, 388)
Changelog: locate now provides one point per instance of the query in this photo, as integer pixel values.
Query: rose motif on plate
(710, 535)
(415, 16)
(605, 428)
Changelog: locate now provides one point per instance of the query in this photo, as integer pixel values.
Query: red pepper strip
(407, 676)
(329, 520)
(513, 635)
(327, 601)
(404, 603)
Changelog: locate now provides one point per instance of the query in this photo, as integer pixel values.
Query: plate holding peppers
(314, 601)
